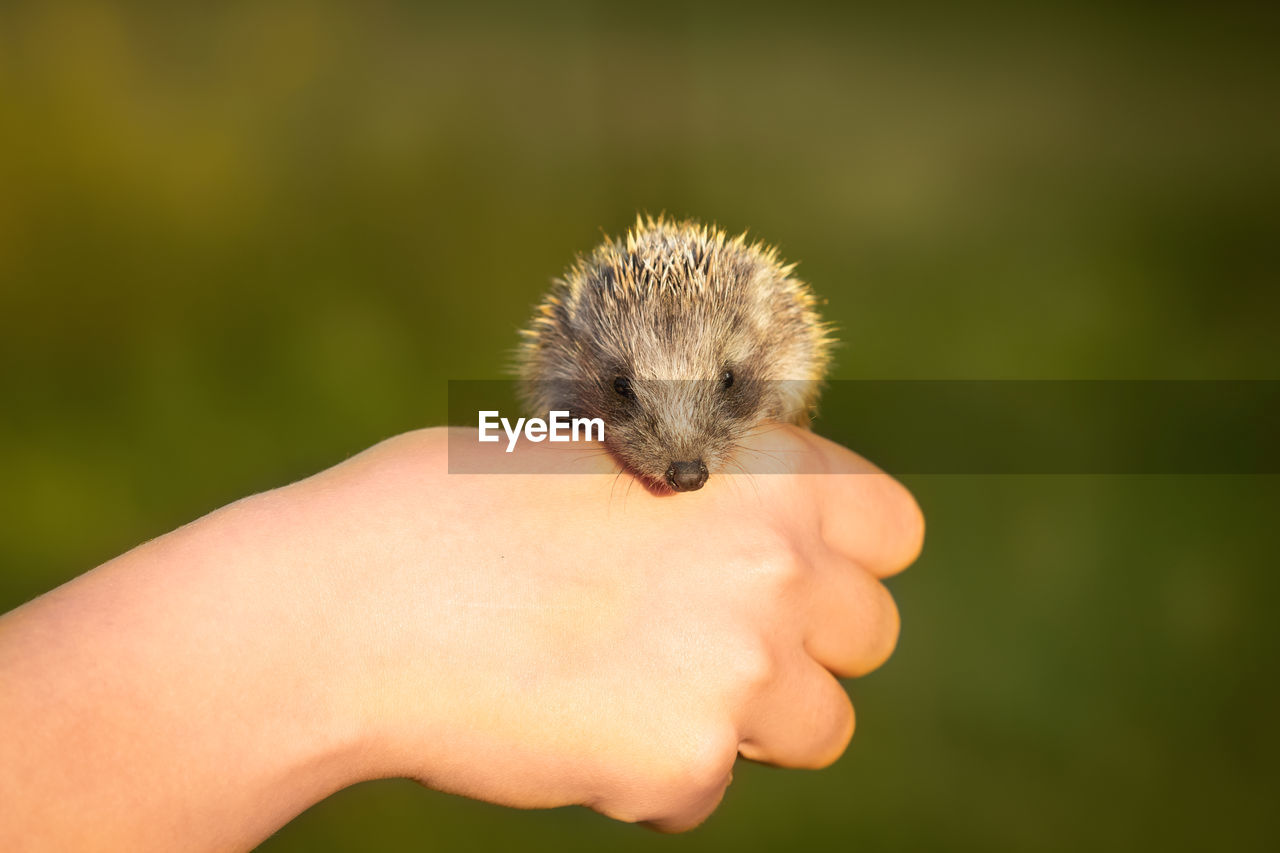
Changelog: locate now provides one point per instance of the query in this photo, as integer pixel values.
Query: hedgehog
(683, 341)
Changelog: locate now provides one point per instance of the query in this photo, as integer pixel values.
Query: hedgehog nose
(687, 476)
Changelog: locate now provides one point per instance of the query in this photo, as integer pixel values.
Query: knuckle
(753, 667)
(677, 780)
(767, 560)
(780, 564)
(707, 764)
(690, 776)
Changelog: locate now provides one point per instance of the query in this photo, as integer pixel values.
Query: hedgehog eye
(726, 380)
(622, 385)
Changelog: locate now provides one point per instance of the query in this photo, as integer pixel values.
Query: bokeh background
(241, 241)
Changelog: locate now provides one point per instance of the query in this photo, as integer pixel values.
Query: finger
(873, 520)
(853, 621)
(865, 514)
(804, 719)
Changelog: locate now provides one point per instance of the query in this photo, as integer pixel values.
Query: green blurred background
(240, 243)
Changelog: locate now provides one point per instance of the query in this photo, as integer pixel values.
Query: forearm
(177, 697)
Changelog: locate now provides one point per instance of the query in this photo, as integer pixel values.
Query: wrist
(312, 636)
(329, 543)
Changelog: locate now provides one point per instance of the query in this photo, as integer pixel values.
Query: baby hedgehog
(682, 340)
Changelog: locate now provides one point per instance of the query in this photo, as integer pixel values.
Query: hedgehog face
(671, 433)
(682, 341)
(675, 432)
(676, 400)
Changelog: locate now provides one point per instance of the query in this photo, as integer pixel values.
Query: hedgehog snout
(687, 476)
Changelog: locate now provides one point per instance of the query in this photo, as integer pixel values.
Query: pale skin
(532, 641)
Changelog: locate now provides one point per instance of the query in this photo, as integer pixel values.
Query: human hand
(541, 641)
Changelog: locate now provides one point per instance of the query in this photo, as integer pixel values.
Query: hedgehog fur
(683, 340)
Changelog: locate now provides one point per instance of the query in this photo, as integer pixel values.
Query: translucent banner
(903, 426)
